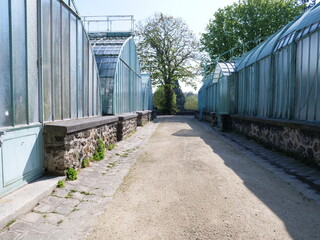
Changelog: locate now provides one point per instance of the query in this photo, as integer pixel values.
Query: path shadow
(292, 219)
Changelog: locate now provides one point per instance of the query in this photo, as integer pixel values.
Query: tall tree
(245, 21)
(169, 50)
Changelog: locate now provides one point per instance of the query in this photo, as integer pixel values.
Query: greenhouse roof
(106, 50)
(308, 22)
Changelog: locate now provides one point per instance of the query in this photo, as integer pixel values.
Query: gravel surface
(189, 183)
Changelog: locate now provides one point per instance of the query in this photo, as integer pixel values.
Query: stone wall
(143, 117)
(126, 124)
(299, 139)
(67, 143)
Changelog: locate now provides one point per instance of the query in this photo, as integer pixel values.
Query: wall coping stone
(305, 125)
(143, 112)
(127, 116)
(75, 125)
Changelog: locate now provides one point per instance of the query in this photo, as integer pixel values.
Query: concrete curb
(26, 198)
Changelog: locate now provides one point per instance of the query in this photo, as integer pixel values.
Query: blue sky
(196, 13)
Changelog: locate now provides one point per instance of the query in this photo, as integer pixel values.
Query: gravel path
(189, 183)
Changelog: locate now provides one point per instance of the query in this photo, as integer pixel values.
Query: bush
(72, 174)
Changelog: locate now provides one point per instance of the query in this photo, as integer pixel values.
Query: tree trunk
(168, 99)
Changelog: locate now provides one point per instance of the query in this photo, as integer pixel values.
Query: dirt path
(189, 184)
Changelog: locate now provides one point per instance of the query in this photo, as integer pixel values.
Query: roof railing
(109, 23)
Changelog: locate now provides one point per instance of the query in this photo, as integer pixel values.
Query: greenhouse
(119, 71)
(273, 95)
(216, 93)
(280, 77)
(146, 92)
(53, 74)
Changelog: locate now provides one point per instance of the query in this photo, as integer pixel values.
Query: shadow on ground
(291, 217)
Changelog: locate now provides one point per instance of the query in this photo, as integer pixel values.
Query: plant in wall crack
(100, 151)
(85, 163)
(72, 174)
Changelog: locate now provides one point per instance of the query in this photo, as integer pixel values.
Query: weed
(112, 164)
(60, 184)
(69, 195)
(100, 151)
(85, 193)
(45, 216)
(111, 146)
(11, 222)
(117, 154)
(85, 163)
(75, 209)
(72, 174)
(59, 222)
(73, 191)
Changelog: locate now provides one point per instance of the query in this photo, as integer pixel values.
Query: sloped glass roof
(302, 25)
(106, 51)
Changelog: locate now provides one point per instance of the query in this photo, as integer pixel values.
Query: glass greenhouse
(52, 71)
(119, 71)
(279, 78)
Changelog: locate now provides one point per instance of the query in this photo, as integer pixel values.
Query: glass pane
(33, 82)
(5, 79)
(85, 74)
(46, 59)
(73, 66)
(65, 63)
(80, 69)
(90, 84)
(19, 61)
(56, 59)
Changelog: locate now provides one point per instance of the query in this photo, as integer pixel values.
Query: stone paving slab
(71, 212)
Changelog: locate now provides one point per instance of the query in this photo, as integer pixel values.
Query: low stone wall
(143, 117)
(68, 142)
(299, 139)
(126, 124)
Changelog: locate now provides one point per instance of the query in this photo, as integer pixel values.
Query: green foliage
(111, 146)
(100, 151)
(60, 184)
(85, 163)
(72, 174)
(245, 21)
(169, 51)
(159, 100)
(191, 103)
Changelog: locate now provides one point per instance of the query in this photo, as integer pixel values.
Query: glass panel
(65, 63)
(90, 84)
(19, 61)
(305, 78)
(313, 76)
(46, 59)
(33, 82)
(85, 74)
(5, 79)
(297, 98)
(80, 69)
(56, 59)
(73, 66)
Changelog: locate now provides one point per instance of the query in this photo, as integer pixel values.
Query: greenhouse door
(20, 157)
